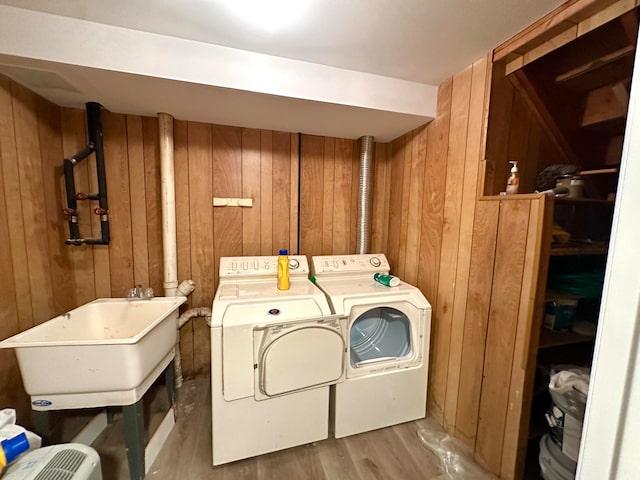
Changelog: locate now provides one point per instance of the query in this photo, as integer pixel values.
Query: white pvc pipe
(168, 197)
(204, 312)
(169, 243)
(182, 320)
(185, 288)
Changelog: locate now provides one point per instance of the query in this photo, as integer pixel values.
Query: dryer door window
(378, 335)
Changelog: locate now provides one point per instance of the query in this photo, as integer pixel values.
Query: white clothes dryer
(274, 354)
(388, 333)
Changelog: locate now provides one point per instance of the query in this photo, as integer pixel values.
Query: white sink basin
(106, 352)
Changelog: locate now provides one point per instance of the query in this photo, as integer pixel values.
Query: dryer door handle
(320, 320)
(375, 360)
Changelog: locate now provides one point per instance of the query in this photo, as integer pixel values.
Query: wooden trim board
(548, 34)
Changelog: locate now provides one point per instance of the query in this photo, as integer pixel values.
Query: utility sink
(106, 352)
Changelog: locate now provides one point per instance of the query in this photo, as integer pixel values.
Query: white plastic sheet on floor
(456, 460)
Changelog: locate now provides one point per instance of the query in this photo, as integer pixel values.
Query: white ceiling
(366, 47)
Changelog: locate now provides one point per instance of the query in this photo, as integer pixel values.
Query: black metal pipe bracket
(94, 145)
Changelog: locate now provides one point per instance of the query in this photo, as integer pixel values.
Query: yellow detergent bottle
(283, 270)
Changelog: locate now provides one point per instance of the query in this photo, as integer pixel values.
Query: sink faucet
(139, 292)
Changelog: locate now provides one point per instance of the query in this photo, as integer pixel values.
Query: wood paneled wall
(435, 182)
(132, 169)
(42, 277)
(35, 268)
(474, 258)
(329, 187)
(509, 309)
(218, 161)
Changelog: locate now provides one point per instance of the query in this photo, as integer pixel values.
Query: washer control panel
(261, 266)
(336, 264)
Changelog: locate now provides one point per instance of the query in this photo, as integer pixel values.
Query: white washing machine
(388, 331)
(274, 354)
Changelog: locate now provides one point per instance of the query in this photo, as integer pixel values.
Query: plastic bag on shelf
(568, 388)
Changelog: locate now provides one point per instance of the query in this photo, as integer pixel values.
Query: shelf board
(597, 64)
(552, 338)
(579, 248)
(583, 201)
(599, 171)
(550, 295)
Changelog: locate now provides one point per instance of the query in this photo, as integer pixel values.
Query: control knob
(375, 261)
(293, 263)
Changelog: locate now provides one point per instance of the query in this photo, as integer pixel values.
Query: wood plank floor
(393, 453)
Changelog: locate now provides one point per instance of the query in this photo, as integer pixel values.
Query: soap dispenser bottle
(514, 179)
(283, 270)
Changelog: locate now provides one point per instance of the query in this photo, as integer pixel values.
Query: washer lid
(301, 296)
(300, 358)
(277, 310)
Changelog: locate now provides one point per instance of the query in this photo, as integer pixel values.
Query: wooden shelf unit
(559, 95)
(553, 338)
(579, 248)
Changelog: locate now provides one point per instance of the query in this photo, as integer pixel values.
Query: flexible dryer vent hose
(364, 199)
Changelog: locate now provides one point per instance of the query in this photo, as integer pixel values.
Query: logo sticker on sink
(41, 403)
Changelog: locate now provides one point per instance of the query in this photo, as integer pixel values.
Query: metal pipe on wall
(94, 129)
(94, 124)
(168, 197)
(364, 198)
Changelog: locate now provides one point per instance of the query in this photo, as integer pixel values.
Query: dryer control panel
(350, 264)
(261, 266)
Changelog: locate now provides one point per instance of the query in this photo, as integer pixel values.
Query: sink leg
(110, 415)
(170, 382)
(41, 425)
(134, 439)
